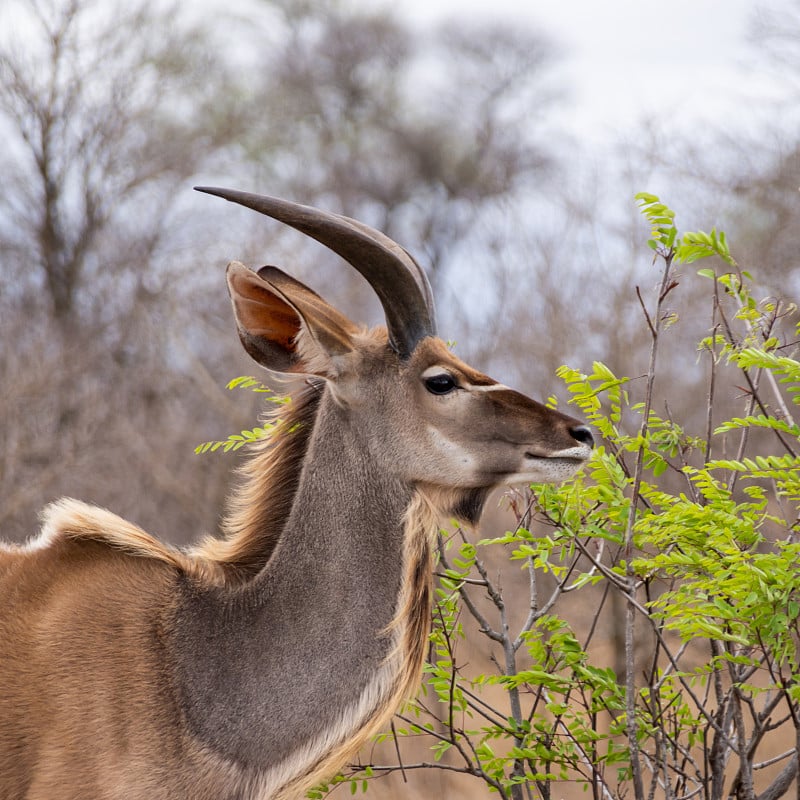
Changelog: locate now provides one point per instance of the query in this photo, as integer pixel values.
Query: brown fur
(411, 626)
(260, 505)
(116, 602)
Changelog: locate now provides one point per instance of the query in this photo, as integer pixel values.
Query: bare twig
(397, 751)
(483, 623)
(630, 610)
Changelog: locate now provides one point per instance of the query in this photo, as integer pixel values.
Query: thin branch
(399, 756)
(584, 756)
(630, 612)
(650, 325)
(480, 706)
(775, 759)
(483, 623)
(781, 784)
(753, 385)
(467, 581)
(535, 612)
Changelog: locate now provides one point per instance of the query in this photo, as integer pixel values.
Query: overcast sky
(623, 60)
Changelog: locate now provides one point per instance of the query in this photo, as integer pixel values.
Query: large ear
(284, 325)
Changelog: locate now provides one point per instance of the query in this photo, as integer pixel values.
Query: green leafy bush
(696, 536)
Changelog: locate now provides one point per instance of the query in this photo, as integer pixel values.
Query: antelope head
(426, 417)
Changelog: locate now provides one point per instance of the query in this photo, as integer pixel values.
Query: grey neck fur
(302, 640)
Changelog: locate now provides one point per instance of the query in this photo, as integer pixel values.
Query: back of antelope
(255, 664)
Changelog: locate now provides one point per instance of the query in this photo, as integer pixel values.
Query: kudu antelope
(254, 665)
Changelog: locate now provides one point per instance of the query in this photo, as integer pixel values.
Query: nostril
(582, 434)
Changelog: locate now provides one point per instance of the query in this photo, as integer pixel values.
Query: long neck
(282, 672)
(261, 504)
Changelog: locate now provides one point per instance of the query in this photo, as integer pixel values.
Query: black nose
(582, 434)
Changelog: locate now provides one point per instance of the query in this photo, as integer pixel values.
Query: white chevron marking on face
(495, 387)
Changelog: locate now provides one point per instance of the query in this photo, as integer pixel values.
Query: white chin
(545, 470)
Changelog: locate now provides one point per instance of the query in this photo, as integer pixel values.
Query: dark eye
(440, 384)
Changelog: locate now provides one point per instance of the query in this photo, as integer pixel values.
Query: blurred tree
(429, 136)
(769, 189)
(744, 177)
(105, 110)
